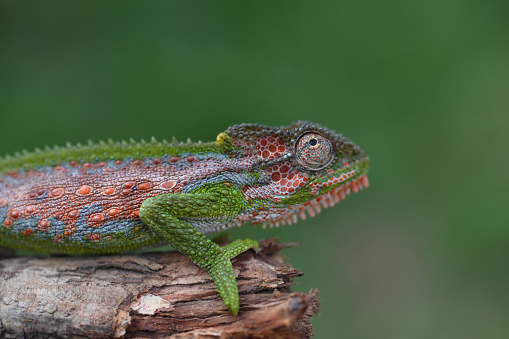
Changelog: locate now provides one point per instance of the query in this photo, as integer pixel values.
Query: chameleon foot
(221, 271)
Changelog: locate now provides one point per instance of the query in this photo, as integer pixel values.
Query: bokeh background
(423, 87)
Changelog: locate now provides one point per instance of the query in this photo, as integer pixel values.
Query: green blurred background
(423, 87)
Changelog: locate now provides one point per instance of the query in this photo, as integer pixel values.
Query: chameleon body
(115, 197)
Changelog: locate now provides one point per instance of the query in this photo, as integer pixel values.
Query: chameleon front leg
(163, 214)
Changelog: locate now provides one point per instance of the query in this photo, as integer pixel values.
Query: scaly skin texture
(116, 197)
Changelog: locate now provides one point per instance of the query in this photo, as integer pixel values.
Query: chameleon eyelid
(310, 163)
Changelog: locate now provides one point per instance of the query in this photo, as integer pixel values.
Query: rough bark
(150, 295)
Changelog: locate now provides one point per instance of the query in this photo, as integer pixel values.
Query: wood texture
(150, 295)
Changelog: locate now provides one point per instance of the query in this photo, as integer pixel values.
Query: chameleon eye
(313, 151)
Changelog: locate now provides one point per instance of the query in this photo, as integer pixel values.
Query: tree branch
(150, 295)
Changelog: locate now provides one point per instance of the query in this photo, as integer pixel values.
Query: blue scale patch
(85, 212)
(3, 212)
(104, 229)
(22, 225)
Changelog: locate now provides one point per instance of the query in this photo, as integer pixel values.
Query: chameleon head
(301, 168)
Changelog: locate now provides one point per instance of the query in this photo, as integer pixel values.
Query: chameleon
(115, 197)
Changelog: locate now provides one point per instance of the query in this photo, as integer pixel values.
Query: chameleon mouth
(281, 216)
(314, 206)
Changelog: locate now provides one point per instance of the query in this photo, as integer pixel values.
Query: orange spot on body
(43, 225)
(14, 214)
(169, 184)
(174, 159)
(109, 191)
(144, 186)
(56, 192)
(73, 214)
(96, 218)
(112, 211)
(30, 209)
(84, 190)
(156, 161)
(129, 184)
